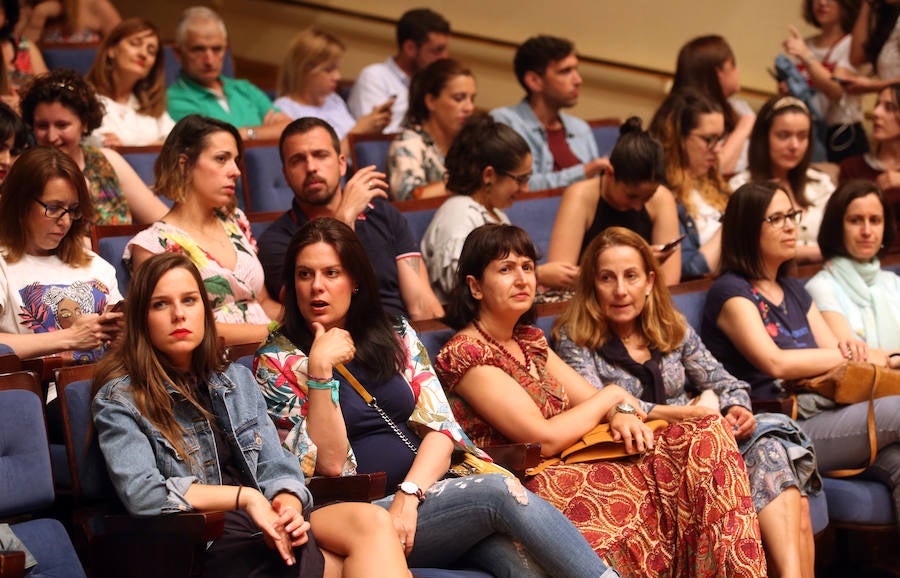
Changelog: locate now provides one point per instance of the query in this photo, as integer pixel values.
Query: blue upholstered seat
(606, 133)
(26, 484)
(371, 149)
(77, 57)
(856, 501)
(111, 250)
(142, 163)
(536, 217)
(418, 222)
(268, 191)
(691, 306)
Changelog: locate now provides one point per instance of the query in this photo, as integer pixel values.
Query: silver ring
(369, 184)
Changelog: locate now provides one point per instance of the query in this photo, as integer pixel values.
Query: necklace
(503, 350)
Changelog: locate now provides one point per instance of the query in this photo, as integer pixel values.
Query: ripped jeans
(474, 520)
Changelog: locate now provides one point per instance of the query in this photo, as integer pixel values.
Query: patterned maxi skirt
(683, 509)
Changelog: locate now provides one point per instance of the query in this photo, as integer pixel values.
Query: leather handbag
(848, 383)
(596, 445)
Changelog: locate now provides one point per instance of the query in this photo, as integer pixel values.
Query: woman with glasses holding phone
(691, 128)
(764, 327)
(488, 164)
(54, 293)
(780, 151)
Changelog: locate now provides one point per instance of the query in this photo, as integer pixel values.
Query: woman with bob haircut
(670, 512)
(691, 129)
(54, 293)
(764, 328)
(780, 151)
(183, 431)
(630, 195)
(308, 82)
(197, 169)
(707, 64)
(621, 327)
(858, 299)
(488, 164)
(130, 82)
(441, 98)
(61, 108)
(333, 316)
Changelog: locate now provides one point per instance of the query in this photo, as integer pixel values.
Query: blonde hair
(662, 324)
(311, 48)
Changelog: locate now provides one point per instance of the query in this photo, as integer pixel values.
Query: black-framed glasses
(54, 211)
(778, 220)
(520, 179)
(711, 140)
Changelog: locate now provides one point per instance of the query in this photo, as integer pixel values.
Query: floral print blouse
(413, 161)
(281, 370)
(231, 291)
(110, 207)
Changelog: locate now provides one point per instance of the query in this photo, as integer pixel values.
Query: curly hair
(68, 88)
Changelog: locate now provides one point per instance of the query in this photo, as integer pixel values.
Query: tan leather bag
(597, 444)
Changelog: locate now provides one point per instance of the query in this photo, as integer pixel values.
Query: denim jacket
(151, 478)
(578, 134)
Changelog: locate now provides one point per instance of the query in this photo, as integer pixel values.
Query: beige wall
(642, 32)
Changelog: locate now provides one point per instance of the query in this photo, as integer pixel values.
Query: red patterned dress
(683, 509)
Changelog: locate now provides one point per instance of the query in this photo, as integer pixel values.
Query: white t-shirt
(41, 294)
(132, 128)
(742, 108)
(333, 111)
(443, 240)
(374, 85)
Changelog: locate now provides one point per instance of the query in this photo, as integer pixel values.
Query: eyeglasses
(711, 140)
(520, 179)
(58, 211)
(778, 220)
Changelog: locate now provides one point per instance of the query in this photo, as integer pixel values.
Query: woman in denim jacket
(180, 432)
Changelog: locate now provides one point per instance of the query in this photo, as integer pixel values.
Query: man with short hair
(422, 37)
(200, 43)
(563, 147)
(313, 166)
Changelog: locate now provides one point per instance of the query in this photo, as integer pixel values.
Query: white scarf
(860, 281)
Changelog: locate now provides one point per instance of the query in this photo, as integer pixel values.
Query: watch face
(409, 488)
(625, 408)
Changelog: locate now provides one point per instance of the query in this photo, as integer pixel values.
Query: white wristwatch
(626, 408)
(411, 489)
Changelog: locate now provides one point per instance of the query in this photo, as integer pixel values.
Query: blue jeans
(461, 518)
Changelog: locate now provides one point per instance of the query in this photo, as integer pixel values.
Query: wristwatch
(626, 408)
(251, 133)
(411, 489)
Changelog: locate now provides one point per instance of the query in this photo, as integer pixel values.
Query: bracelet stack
(324, 383)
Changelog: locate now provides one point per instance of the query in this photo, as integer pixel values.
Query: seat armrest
(355, 488)
(786, 405)
(516, 457)
(12, 563)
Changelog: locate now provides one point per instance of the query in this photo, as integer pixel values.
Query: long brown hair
(26, 182)
(150, 91)
(152, 374)
(661, 323)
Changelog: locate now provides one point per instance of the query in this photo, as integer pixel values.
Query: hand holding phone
(672, 244)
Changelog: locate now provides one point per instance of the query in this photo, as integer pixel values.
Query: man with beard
(562, 146)
(313, 166)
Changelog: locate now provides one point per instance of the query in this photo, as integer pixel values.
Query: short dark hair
(741, 225)
(68, 88)
(537, 53)
(637, 157)
(418, 23)
(831, 232)
(303, 125)
(849, 10)
(378, 348)
(483, 245)
(430, 81)
(482, 142)
(759, 159)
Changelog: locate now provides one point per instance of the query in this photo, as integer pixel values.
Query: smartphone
(118, 307)
(672, 244)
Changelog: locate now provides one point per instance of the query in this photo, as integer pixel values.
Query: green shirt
(248, 104)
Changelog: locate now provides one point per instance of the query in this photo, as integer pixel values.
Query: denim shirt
(693, 262)
(578, 134)
(151, 478)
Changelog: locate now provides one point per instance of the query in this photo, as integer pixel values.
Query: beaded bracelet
(310, 377)
(333, 385)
